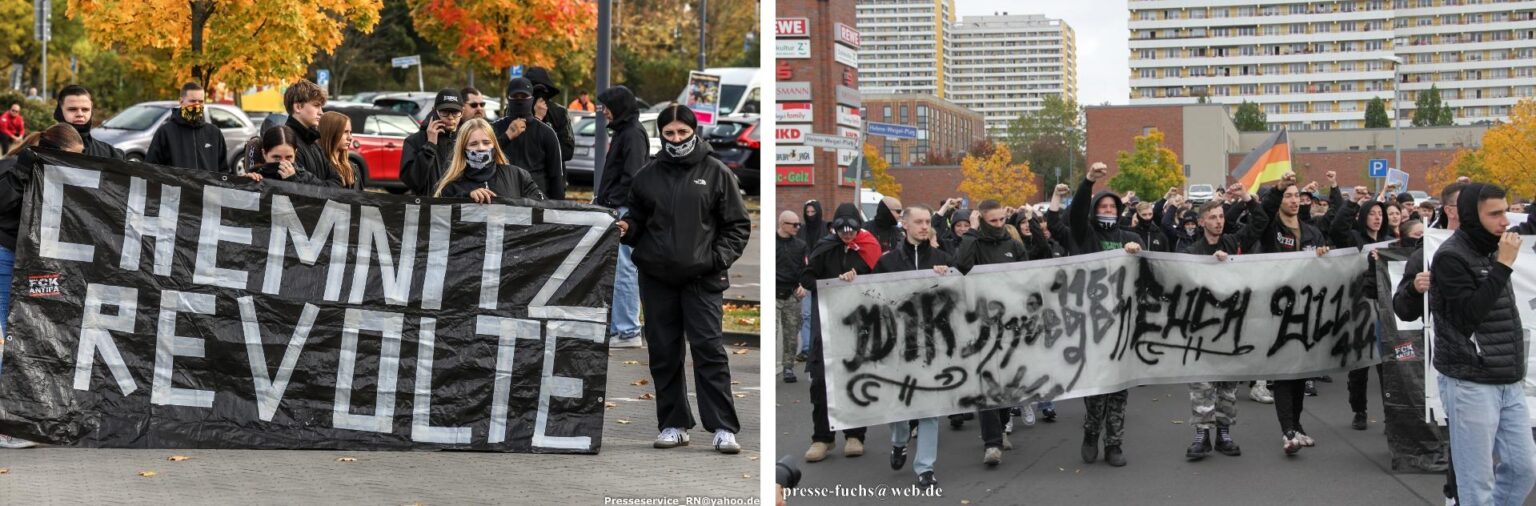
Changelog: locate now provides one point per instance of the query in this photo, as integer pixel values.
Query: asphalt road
(1346, 467)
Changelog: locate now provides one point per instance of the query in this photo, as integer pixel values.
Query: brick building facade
(944, 128)
(826, 27)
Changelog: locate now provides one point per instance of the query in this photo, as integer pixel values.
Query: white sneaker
(1260, 394)
(1304, 439)
(1292, 444)
(1029, 415)
(633, 342)
(671, 437)
(725, 442)
(1008, 426)
(11, 443)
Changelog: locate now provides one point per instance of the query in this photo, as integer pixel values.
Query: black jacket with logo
(180, 143)
(982, 248)
(686, 219)
(1277, 238)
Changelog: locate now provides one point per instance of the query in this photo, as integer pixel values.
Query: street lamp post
(1397, 117)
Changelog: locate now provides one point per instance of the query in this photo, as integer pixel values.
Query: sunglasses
(475, 105)
(796, 225)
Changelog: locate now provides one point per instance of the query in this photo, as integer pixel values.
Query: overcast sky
(1103, 54)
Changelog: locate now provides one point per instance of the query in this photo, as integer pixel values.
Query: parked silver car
(584, 128)
(133, 128)
(418, 104)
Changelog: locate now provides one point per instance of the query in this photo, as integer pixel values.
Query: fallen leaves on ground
(641, 381)
(346, 459)
(647, 396)
(1177, 422)
(740, 344)
(738, 396)
(623, 422)
(148, 474)
(178, 458)
(5, 470)
(746, 321)
(610, 405)
(742, 351)
(631, 362)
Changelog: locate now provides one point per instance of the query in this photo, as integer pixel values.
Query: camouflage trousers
(789, 330)
(1106, 411)
(1213, 403)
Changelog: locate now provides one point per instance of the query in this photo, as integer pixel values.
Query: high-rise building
(1003, 66)
(999, 65)
(1317, 64)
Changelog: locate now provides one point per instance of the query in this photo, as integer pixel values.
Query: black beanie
(676, 112)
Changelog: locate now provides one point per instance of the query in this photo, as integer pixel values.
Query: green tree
(1149, 170)
(1249, 118)
(1429, 110)
(1050, 140)
(1376, 114)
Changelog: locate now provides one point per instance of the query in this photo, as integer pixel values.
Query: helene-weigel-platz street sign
(829, 141)
(891, 131)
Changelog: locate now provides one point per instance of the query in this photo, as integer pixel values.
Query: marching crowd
(1470, 296)
(682, 221)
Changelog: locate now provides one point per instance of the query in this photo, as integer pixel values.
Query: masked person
(1360, 222)
(688, 224)
(815, 226)
(187, 140)
(424, 159)
(556, 115)
(916, 253)
(305, 103)
(846, 252)
(480, 172)
(272, 156)
(628, 151)
(528, 142)
(1093, 221)
(75, 108)
(885, 224)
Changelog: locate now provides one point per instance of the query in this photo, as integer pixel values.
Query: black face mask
(520, 108)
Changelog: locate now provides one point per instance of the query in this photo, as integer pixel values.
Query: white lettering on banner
(794, 155)
(213, 231)
(54, 179)
(96, 335)
(422, 430)
(846, 55)
(792, 49)
(560, 386)
(507, 331)
(373, 237)
(496, 217)
(162, 227)
(168, 346)
(792, 27)
(390, 325)
(596, 224)
(437, 257)
(269, 390)
(790, 134)
(914, 345)
(793, 112)
(335, 222)
(792, 91)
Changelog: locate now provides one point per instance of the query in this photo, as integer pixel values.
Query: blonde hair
(331, 125)
(459, 163)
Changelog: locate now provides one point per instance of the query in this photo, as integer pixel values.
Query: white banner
(1524, 282)
(914, 344)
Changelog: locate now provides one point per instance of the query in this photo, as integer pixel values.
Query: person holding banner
(1480, 352)
(305, 102)
(75, 108)
(845, 253)
(480, 172)
(916, 253)
(1361, 222)
(1094, 224)
(272, 155)
(688, 224)
(15, 177)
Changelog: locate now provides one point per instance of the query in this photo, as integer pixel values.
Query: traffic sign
(891, 131)
(831, 141)
(405, 61)
(1377, 167)
(515, 72)
(323, 77)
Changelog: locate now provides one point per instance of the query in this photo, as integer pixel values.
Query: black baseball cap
(448, 99)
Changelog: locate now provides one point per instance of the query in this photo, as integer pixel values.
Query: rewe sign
(792, 27)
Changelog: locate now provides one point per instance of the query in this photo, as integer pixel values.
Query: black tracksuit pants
(821, 426)
(671, 313)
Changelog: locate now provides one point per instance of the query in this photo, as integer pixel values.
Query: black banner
(1416, 445)
(165, 308)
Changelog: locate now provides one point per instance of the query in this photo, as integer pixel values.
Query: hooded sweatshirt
(1278, 238)
(1478, 334)
(988, 245)
(422, 164)
(814, 226)
(950, 240)
(832, 257)
(188, 145)
(687, 221)
(310, 157)
(93, 147)
(537, 150)
(884, 227)
(628, 150)
(1090, 233)
(557, 117)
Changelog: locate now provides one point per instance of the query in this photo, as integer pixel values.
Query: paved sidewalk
(626, 467)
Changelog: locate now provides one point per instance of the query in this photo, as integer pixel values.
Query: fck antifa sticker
(43, 285)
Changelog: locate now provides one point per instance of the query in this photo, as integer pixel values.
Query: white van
(740, 90)
(869, 202)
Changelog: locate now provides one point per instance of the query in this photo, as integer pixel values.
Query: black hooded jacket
(1236, 243)
(181, 143)
(789, 264)
(15, 177)
(988, 245)
(628, 149)
(1348, 230)
(310, 157)
(1277, 238)
(1088, 234)
(814, 227)
(557, 117)
(537, 150)
(1478, 335)
(686, 219)
(884, 227)
(831, 257)
(422, 164)
(1152, 236)
(93, 147)
(509, 182)
(912, 257)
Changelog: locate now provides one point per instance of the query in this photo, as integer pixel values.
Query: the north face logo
(1008, 254)
(207, 145)
(700, 182)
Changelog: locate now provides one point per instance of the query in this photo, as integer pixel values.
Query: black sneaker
(1310, 390)
(898, 457)
(956, 421)
(1049, 415)
(1224, 442)
(1359, 422)
(789, 375)
(801, 357)
(926, 480)
(1201, 447)
(1090, 448)
(1114, 456)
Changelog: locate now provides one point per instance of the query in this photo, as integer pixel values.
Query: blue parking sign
(515, 72)
(1378, 167)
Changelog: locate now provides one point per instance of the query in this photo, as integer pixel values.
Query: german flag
(1268, 162)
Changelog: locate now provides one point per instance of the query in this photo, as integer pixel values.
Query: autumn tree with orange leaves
(996, 177)
(1506, 156)
(502, 33)
(238, 43)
